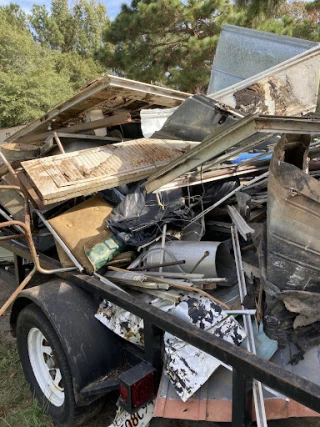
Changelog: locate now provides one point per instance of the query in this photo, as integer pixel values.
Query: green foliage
(259, 8)
(169, 42)
(77, 29)
(33, 77)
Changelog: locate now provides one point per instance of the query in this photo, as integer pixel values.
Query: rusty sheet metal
(213, 401)
(64, 176)
(293, 227)
(290, 88)
(290, 256)
(108, 93)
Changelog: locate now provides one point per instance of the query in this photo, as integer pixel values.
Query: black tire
(68, 414)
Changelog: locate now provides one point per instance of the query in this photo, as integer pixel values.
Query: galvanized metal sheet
(265, 50)
(290, 88)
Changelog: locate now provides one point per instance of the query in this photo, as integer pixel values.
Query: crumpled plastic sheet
(187, 367)
(139, 218)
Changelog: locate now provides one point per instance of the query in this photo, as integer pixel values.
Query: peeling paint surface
(187, 367)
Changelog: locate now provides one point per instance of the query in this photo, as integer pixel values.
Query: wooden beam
(110, 121)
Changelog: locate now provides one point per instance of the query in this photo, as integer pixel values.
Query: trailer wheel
(45, 366)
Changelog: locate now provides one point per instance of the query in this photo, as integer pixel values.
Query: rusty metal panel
(290, 88)
(109, 94)
(293, 261)
(64, 176)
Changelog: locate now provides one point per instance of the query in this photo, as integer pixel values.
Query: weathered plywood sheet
(64, 176)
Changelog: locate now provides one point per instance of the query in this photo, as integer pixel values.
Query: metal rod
(205, 255)
(60, 241)
(256, 385)
(167, 264)
(175, 275)
(210, 280)
(178, 286)
(163, 245)
(215, 205)
(242, 312)
(108, 282)
(12, 236)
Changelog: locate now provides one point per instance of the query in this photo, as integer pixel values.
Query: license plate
(141, 418)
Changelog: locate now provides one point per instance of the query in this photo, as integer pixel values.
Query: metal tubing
(210, 280)
(175, 275)
(8, 217)
(148, 267)
(60, 241)
(163, 245)
(14, 295)
(108, 282)
(257, 386)
(12, 237)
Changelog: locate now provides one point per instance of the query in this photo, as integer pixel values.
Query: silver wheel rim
(45, 367)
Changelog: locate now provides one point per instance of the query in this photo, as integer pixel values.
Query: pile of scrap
(212, 218)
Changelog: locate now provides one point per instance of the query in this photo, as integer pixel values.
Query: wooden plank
(83, 172)
(118, 119)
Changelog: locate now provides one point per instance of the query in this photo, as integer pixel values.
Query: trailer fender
(91, 349)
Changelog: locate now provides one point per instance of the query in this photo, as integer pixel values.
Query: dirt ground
(104, 418)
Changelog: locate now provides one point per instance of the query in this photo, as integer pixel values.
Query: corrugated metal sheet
(65, 176)
(213, 402)
(265, 50)
(109, 93)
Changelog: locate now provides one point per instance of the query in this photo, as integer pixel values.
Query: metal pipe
(107, 282)
(147, 267)
(12, 237)
(163, 245)
(256, 385)
(211, 280)
(242, 312)
(60, 241)
(176, 275)
(14, 295)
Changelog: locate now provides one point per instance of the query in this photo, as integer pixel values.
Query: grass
(17, 408)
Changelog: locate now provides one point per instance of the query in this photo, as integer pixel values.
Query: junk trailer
(165, 246)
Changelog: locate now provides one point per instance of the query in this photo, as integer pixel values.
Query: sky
(113, 6)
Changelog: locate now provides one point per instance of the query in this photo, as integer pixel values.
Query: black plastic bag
(139, 218)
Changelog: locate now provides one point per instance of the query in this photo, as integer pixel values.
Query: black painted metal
(19, 268)
(241, 399)
(287, 383)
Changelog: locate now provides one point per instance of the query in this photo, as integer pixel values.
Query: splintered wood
(64, 176)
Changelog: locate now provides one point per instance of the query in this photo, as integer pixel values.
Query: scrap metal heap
(214, 218)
